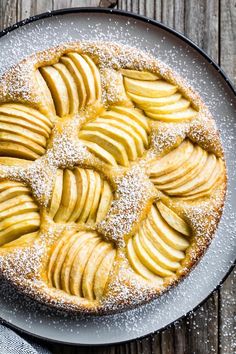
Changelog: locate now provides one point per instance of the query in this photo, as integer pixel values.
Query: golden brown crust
(132, 185)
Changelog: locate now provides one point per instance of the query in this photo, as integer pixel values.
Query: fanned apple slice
(4, 224)
(173, 219)
(96, 75)
(128, 129)
(16, 230)
(101, 250)
(113, 147)
(139, 267)
(150, 102)
(82, 191)
(105, 202)
(172, 160)
(12, 192)
(169, 235)
(58, 89)
(87, 76)
(160, 244)
(69, 197)
(194, 172)
(184, 169)
(31, 126)
(198, 180)
(102, 273)
(17, 150)
(100, 152)
(56, 194)
(45, 92)
(188, 114)
(17, 210)
(215, 175)
(90, 195)
(179, 106)
(5, 184)
(10, 203)
(35, 137)
(158, 88)
(117, 134)
(139, 75)
(75, 244)
(68, 62)
(71, 87)
(13, 161)
(17, 108)
(79, 264)
(24, 141)
(96, 198)
(24, 240)
(157, 256)
(147, 260)
(135, 115)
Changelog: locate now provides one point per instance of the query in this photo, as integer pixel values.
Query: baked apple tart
(112, 177)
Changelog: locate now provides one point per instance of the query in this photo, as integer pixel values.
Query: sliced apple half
(115, 148)
(158, 88)
(139, 75)
(135, 115)
(82, 190)
(179, 106)
(86, 74)
(71, 87)
(57, 88)
(105, 201)
(45, 92)
(15, 230)
(90, 195)
(55, 202)
(96, 198)
(172, 160)
(81, 89)
(101, 153)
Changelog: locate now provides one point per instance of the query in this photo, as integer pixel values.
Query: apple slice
(17, 108)
(68, 199)
(54, 205)
(71, 87)
(96, 75)
(12, 192)
(19, 200)
(145, 258)
(24, 141)
(5, 184)
(127, 129)
(91, 177)
(179, 106)
(13, 161)
(139, 75)
(99, 252)
(22, 241)
(173, 219)
(58, 89)
(68, 62)
(157, 256)
(16, 230)
(185, 168)
(116, 149)
(157, 88)
(18, 210)
(79, 264)
(17, 150)
(45, 92)
(82, 190)
(188, 114)
(198, 180)
(102, 274)
(169, 235)
(117, 134)
(86, 74)
(75, 244)
(100, 152)
(139, 267)
(96, 198)
(105, 202)
(171, 161)
(135, 115)
(150, 102)
(188, 176)
(162, 246)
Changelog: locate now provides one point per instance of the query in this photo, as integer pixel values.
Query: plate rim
(211, 61)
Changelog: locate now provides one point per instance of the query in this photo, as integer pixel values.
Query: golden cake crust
(107, 220)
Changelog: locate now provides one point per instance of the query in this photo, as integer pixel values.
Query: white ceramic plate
(50, 29)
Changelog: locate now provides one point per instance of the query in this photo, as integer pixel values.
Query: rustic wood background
(212, 25)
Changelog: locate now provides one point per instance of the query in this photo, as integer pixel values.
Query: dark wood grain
(210, 24)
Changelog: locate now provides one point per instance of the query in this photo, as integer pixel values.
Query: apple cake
(112, 177)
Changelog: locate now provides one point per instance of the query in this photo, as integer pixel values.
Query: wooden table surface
(211, 24)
